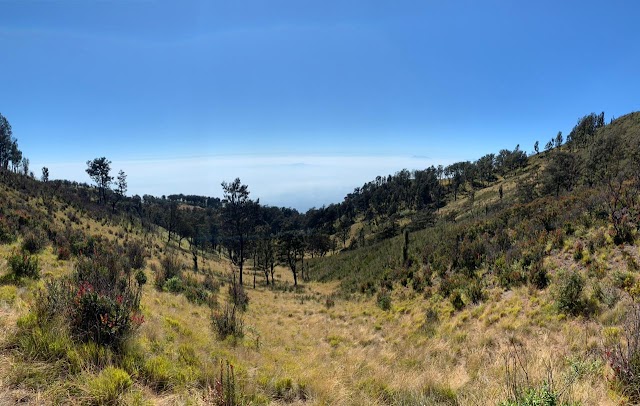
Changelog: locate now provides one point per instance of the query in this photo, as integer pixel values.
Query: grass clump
(8, 294)
(108, 387)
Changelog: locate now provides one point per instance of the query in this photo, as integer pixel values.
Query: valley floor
(309, 347)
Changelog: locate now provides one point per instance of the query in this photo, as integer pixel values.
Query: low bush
(173, 285)
(570, 298)
(64, 253)
(7, 232)
(23, 265)
(383, 300)
(474, 292)
(624, 356)
(224, 392)
(543, 396)
(456, 300)
(170, 267)
(509, 275)
(136, 253)
(99, 302)
(538, 276)
(237, 294)
(34, 241)
(227, 322)
(195, 292)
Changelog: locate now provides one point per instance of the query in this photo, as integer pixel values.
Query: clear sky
(303, 100)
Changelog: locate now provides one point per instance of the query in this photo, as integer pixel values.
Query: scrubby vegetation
(414, 290)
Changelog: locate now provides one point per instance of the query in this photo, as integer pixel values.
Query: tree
(16, 158)
(238, 220)
(120, 189)
(266, 254)
(536, 148)
(485, 168)
(45, 174)
(344, 229)
(25, 165)
(319, 244)
(290, 251)
(549, 146)
(6, 142)
(98, 171)
(562, 172)
(559, 139)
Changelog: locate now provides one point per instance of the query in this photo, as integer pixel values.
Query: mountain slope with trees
(509, 279)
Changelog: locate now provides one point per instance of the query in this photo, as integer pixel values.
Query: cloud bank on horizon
(298, 181)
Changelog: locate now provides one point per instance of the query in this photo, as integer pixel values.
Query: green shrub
(173, 285)
(543, 396)
(136, 253)
(509, 275)
(64, 253)
(473, 290)
(227, 322)
(34, 241)
(141, 278)
(99, 302)
(384, 300)
(195, 293)
(569, 295)
(170, 267)
(237, 295)
(456, 300)
(21, 264)
(7, 233)
(538, 276)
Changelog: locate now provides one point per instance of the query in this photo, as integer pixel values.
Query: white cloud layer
(299, 181)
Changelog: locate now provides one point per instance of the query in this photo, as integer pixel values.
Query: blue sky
(303, 100)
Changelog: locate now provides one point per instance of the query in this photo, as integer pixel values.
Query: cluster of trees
(241, 228)
(580, 136)
(99, 170)
(10, 155)
(246, 230)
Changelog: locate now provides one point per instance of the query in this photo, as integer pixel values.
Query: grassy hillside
(516, 299)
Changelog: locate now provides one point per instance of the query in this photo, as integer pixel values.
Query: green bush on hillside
(21, 265)
(99, 302)
(570, 298)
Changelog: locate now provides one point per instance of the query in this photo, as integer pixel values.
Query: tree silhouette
(98, 171)
(120, 189)
(238, 220)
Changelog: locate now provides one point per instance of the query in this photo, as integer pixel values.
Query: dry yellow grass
(353, 353)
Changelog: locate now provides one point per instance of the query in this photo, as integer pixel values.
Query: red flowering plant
(100, 302)
(107, 301)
